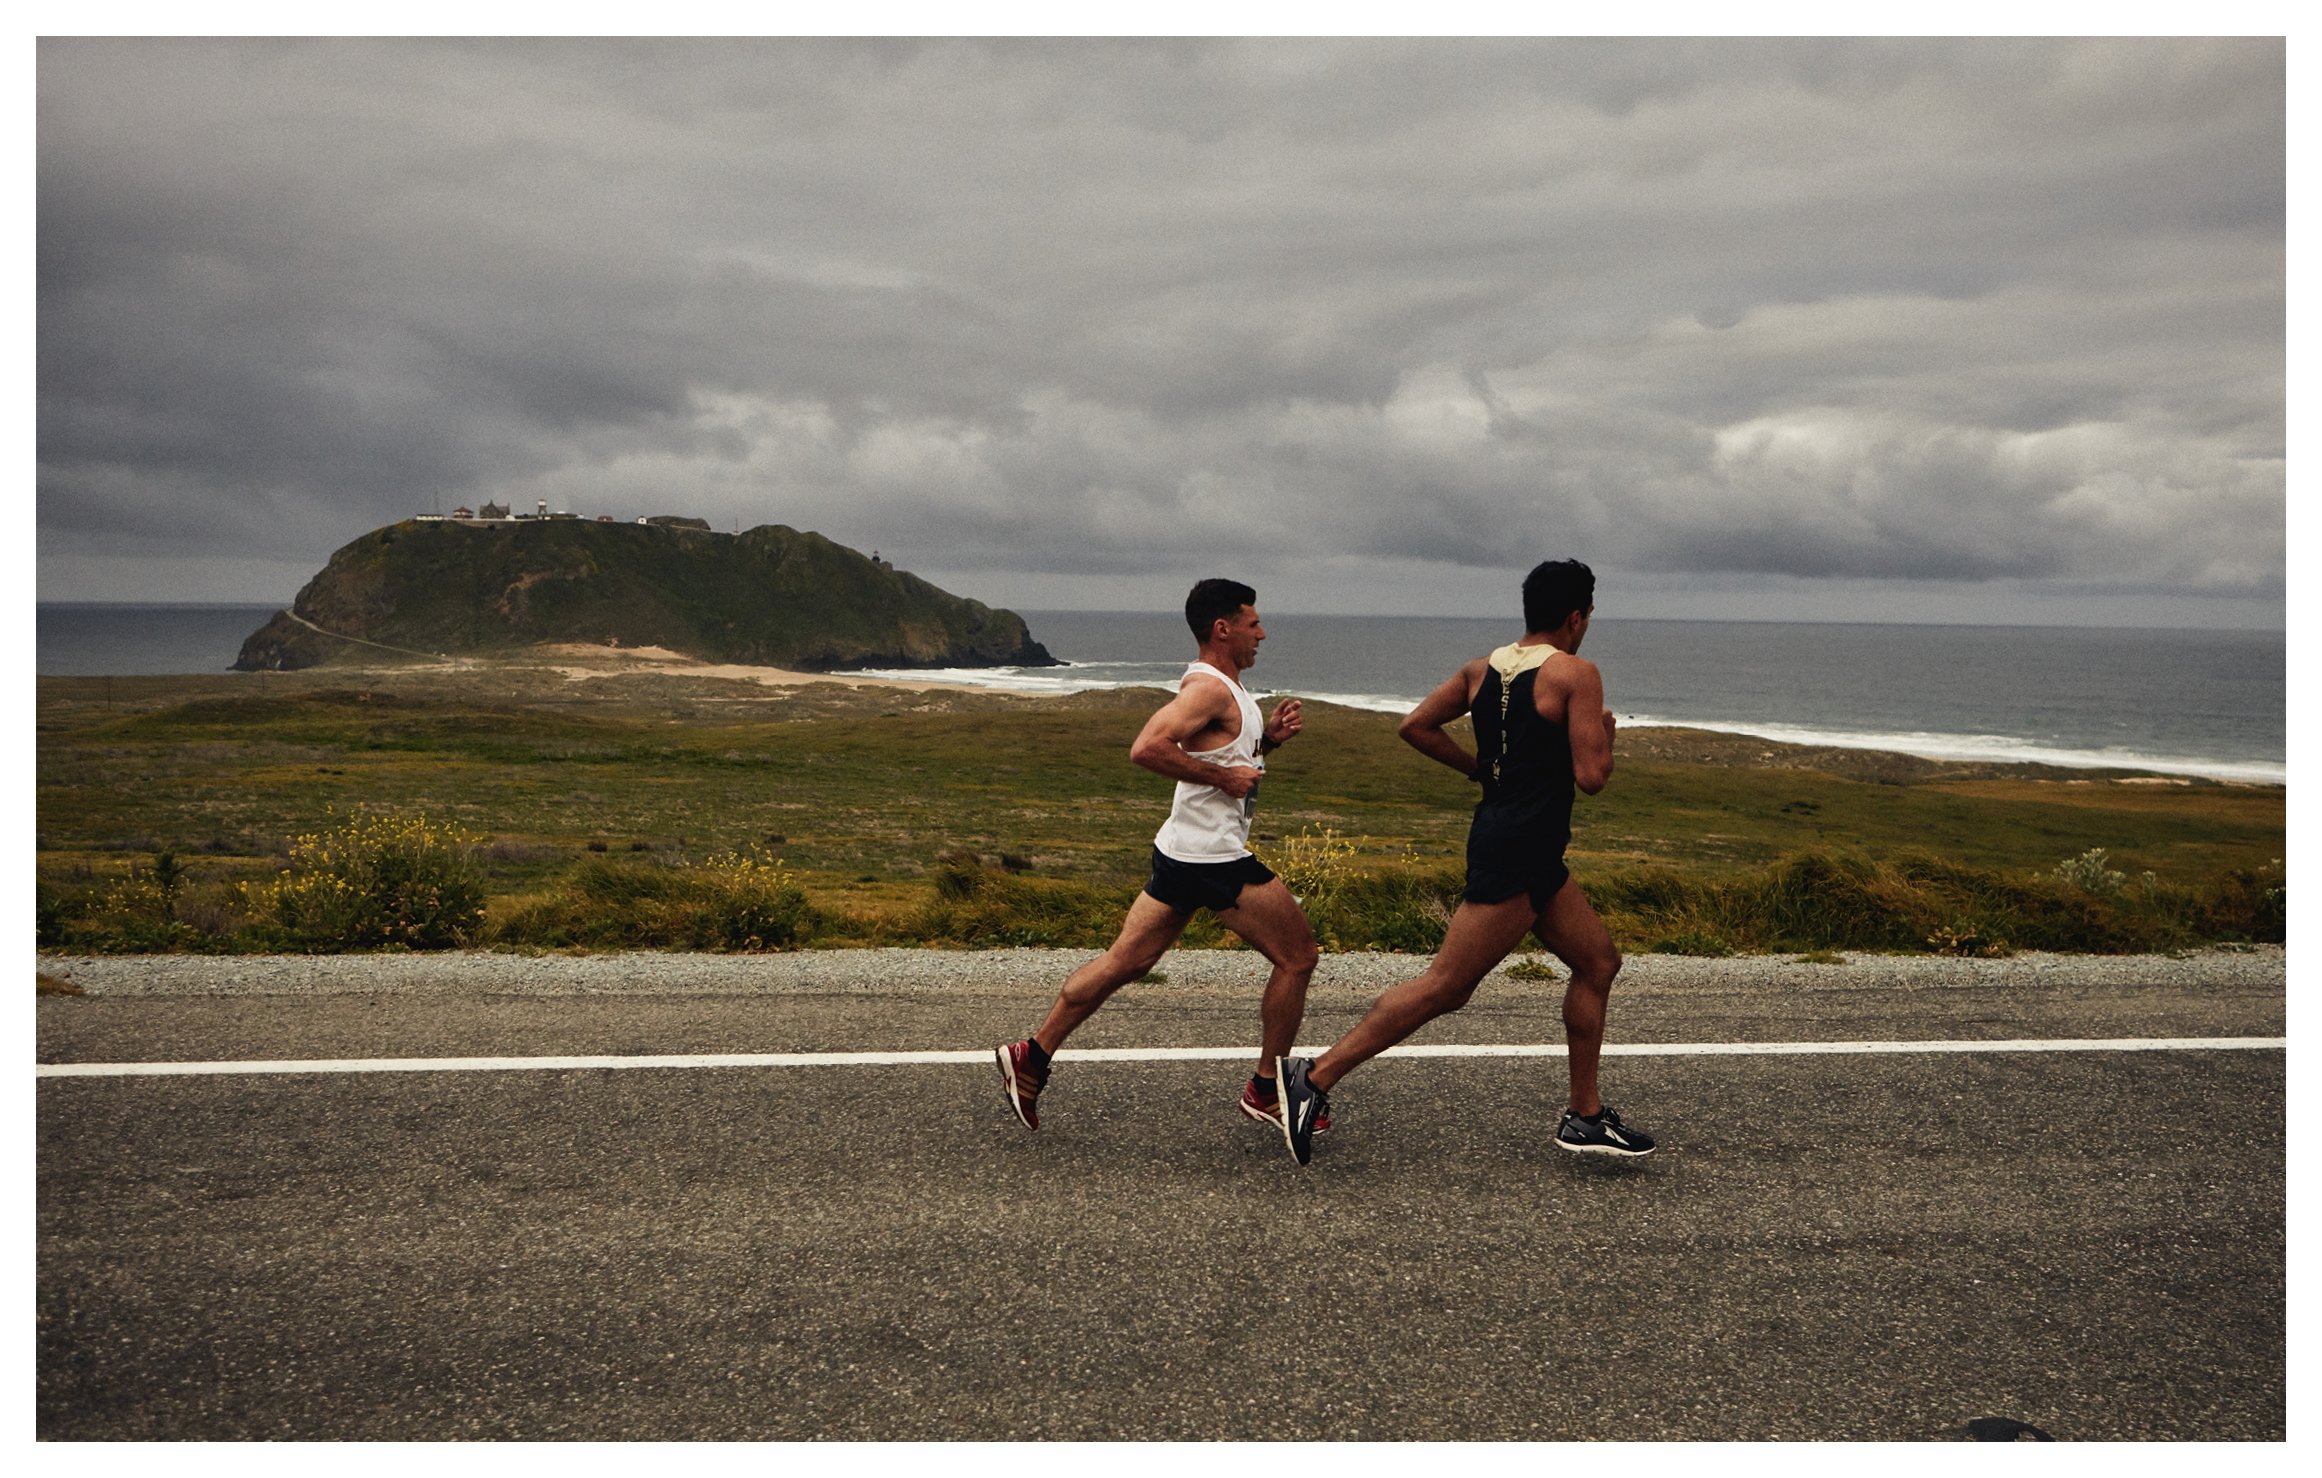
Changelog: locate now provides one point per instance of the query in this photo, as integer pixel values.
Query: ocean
(2174, 701)
(82, 639)
(2209, 703)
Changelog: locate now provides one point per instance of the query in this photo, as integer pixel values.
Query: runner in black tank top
(1529, 762)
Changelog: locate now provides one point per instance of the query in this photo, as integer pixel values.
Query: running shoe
(1022, 1082)
(1603, 1135)
(1304, 1106)
(1269, 1110)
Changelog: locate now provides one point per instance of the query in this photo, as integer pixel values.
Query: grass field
(951, 817)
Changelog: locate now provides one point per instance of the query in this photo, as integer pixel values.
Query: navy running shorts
(1217, 886)
(1497, 870)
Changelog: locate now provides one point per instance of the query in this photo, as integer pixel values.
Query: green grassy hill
(772, 596)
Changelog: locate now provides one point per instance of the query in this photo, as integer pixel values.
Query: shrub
(2250, 904)
(2088, 873)
(745, 901)
(957, 876)
(1403, 908)
(138, 912)
(1814, 900)
(1642, 905)
(1404, 905)
(621, 887)
(1314, 865)
(376, 881)
(1817, 898)
(971, 904)
(54, 914)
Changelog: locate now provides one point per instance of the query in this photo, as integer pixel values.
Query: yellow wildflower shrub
(374, 882)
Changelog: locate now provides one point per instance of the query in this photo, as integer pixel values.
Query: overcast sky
(1968, 330)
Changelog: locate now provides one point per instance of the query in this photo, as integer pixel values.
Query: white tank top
(1205, 824)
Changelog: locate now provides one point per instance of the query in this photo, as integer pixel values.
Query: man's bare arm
(1588, 724)
(1422, 727)
(1160, 745)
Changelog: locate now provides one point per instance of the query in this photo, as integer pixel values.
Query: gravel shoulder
(1013, 971)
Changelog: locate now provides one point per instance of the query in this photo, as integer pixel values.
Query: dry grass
(862, 791)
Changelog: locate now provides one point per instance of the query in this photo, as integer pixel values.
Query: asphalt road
(1860, 1247)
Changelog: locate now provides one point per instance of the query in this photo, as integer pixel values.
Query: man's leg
(1480, 936)
(1269, 918)
(1569, 926)
(1146, 934)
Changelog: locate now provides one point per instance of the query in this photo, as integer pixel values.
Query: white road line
(1128, 1054)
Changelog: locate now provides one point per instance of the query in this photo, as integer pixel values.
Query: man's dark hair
(1214, 599)
(1554, 590)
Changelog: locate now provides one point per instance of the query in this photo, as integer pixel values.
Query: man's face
(1242, 635)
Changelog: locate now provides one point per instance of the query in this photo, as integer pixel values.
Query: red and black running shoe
(1268, 1111)
(1023, 1082)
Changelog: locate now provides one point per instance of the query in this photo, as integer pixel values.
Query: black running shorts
(1504, 862)
(1217, 886)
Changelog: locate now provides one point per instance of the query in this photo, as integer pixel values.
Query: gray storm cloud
(1882, 310)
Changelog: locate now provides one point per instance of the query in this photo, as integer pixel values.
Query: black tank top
(1524, 762)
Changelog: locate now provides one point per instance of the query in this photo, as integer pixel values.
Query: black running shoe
(1304, 1106)
(1603, 1135)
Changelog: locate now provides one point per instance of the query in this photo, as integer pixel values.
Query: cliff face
(772, 597)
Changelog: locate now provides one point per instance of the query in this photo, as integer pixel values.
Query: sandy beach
(583, 662)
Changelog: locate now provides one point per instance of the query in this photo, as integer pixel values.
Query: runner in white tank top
(1205, 824)
(1211, 740)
